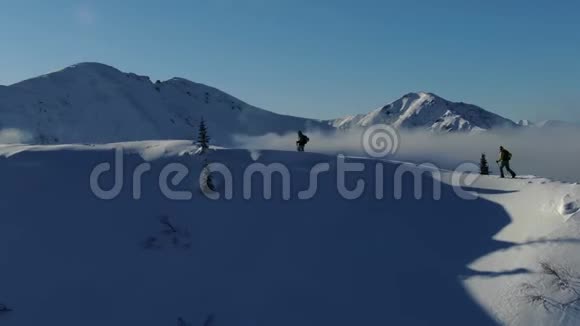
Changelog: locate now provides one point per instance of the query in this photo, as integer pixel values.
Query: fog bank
(553, 153)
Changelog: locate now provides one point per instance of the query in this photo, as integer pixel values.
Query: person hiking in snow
(302, 140)
(504, 161)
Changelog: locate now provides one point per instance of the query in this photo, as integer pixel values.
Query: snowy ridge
(96, 103)
(72, 259)
(428, 111)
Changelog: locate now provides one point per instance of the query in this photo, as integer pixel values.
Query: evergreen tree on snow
(203, 137)
(483, 166)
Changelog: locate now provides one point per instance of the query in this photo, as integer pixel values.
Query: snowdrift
(70, 258)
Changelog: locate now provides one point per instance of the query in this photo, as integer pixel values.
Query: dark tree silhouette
(203, 137)
(483, 166)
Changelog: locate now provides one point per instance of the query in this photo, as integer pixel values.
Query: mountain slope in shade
(427, 111)
(92, 102)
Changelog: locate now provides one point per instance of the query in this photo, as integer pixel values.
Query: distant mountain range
(96, 103)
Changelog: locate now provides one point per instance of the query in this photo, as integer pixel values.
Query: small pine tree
(483, 166)
(207, 181)
(203, 137)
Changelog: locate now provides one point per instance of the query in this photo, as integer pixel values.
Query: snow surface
(69, 258)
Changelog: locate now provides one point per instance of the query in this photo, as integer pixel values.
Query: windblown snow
(69, 258)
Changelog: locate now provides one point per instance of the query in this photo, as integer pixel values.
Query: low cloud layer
(547, 153)
(14, 136)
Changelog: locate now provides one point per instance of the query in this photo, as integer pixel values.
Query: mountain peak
(89, 73)
(422, 95)
(412, 102)
(425, 110)
(89, 66)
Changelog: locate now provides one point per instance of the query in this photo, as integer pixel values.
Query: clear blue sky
(318, 59)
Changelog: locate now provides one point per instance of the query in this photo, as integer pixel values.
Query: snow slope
(69, 258)
(428, 111)
(96, 103)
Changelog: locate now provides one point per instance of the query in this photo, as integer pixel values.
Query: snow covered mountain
(96, 103)
(428, 111)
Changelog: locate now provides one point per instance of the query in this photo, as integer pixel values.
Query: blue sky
(319, 59)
